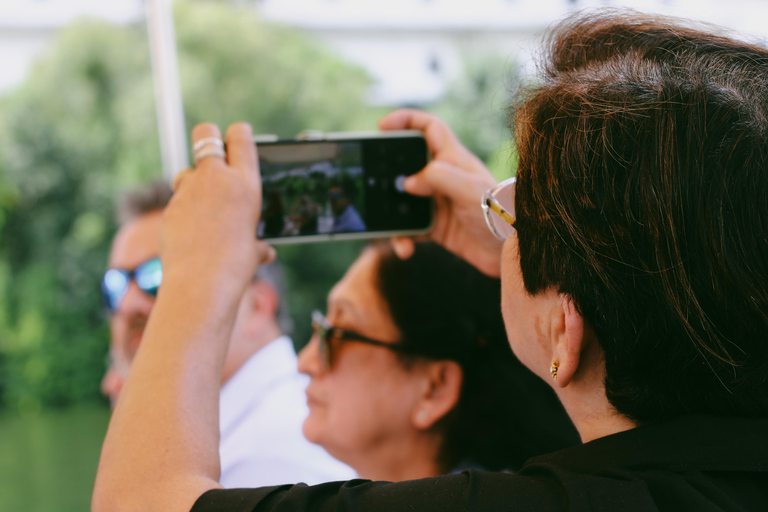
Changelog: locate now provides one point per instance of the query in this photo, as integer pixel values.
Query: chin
(311, 430)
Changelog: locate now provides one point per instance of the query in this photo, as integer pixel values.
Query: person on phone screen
(346, 218)
(262, 394)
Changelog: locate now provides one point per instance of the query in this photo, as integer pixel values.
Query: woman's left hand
(456, 179)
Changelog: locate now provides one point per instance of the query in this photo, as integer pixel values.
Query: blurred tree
(476, 105)
(82, 128)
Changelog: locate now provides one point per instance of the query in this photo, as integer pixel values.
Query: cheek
(363, 402)
(523, 314)
(118, 328)
(512, 295)
(519, 309)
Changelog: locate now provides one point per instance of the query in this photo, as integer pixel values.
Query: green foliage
(476, 107)
(82, 128)
(313, 269)
(48, 460)
(272, 77)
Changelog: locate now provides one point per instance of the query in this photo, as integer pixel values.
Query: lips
(312, 400)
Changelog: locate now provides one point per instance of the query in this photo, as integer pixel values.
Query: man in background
(262, 404)
(346, 219)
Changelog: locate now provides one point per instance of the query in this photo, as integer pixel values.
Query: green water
(48, 460)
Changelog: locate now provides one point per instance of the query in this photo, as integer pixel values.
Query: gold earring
(553, 369)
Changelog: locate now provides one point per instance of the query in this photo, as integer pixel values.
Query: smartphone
(338, 186)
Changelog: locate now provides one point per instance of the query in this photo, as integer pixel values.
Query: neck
(400, 460)
(598, 420)
(240, 350)
(586, 404)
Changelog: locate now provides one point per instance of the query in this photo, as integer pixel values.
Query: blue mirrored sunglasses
(114, 285)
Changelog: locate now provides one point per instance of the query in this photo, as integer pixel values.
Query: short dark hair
(155, 196)
(140, 201)
(445, 309)
(642, 195)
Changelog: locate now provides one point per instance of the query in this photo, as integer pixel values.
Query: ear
(263, 298)
(568, 341)
(440, 393)
(259, 302)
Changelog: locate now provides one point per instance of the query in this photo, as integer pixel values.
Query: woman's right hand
(209, 228)
(457, 180)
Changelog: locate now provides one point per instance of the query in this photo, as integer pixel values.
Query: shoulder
(468, 491)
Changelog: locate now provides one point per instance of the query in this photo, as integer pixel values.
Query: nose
(136, 301)
(309, 358)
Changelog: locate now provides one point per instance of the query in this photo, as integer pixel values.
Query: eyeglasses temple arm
(500, 211)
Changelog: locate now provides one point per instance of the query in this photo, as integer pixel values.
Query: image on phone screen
(350, 187)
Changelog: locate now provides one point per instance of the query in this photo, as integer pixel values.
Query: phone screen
(348, 187)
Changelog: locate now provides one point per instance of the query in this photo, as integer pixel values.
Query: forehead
(137, 241)
(358, 286)
(355, 302)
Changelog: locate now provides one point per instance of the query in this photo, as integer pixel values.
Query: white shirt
(262, 408)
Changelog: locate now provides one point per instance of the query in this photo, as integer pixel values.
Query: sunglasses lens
(113, 287)
(114, 284)
(148, 276)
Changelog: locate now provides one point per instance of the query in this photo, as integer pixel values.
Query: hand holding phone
(456, 179)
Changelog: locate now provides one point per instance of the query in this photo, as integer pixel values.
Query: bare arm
(161, 448)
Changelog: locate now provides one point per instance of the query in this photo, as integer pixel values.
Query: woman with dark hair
(633, 254)
(412, 375)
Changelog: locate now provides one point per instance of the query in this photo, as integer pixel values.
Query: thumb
(265, 253)
(403, 246)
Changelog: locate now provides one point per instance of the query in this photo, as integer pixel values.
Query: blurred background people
(262, 403)
(273, 215)
(346, 218)
(304, 215)
(412, 375)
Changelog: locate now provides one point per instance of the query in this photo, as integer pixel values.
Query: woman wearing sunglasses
(412, 376)
(634, 280)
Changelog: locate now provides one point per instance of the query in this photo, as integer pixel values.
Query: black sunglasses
(114, 285)
(326, 332)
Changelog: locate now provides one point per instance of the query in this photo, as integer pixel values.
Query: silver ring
(206, 141)
(207, 151)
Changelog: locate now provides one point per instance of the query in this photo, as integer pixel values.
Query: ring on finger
(180, 176)
(215, 141)
(209, 150)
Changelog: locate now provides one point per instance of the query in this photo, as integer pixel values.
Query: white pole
(165, 69)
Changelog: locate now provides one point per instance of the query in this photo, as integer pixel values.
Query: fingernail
(409, 183)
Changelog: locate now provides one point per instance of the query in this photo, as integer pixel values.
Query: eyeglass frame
(325, 332)
(490, 204)
(129, 275)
